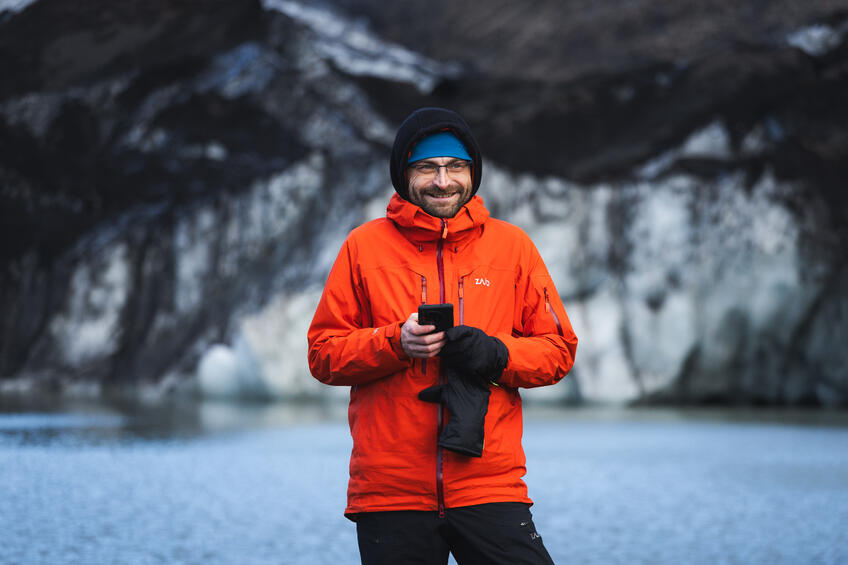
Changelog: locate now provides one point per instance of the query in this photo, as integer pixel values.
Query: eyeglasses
(427, 169)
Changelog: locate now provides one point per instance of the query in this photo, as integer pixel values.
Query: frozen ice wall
(168, 224)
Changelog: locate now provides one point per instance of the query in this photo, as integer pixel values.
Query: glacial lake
(265, 484)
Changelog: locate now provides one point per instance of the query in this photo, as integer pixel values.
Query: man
(413, 499)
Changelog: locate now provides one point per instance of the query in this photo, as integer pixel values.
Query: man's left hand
(474, 354)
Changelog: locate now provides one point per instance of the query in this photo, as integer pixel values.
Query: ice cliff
(176, 179)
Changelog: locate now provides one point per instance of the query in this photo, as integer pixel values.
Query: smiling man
(439, 175)
(436, 421)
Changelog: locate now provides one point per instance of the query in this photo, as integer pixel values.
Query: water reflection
(47, 420)
(36, 421)
(41, 418)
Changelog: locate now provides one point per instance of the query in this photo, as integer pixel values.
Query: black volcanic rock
(53, 44)
(554, 41)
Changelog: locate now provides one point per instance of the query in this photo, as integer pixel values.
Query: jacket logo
(483, 281)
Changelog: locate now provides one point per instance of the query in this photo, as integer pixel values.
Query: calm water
(218, 484)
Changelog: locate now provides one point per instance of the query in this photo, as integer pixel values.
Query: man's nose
(441, 180)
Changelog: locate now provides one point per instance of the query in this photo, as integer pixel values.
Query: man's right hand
(417, 341)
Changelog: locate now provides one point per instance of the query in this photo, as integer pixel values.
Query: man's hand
(417, 341)
(474, 354)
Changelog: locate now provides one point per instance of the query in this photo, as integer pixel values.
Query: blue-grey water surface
(223, 484)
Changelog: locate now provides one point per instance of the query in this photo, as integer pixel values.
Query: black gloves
(471, 360)
(476, 355)
(467, 403)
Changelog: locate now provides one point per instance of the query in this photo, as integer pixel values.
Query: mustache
(430, 189)
(447, 191)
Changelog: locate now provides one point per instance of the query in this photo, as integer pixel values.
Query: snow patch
(601, 362)
(269, 355)
(754, 141)
(247, 68)
(278, 336)
(194, 237)
(376, 207)
(658, 165)
(14, 6)
(816, 40)
(356, 50)
(98, 291)
(711, 141)
(230, 372)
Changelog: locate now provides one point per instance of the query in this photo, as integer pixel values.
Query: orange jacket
(494, 276)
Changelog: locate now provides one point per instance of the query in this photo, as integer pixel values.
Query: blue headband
(442, 144)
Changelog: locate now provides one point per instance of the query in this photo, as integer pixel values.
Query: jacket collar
(420, 227)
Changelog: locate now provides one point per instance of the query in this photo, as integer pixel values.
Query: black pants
(492, 534)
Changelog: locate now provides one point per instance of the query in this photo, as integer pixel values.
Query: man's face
(440, 193)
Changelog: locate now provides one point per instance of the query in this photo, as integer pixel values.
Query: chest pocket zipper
(549, 309)
(423, 301)
(461, 296)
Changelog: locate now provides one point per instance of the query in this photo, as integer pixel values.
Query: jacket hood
(421, 123)
(420, 227)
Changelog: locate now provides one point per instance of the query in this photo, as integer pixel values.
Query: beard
(428, 199)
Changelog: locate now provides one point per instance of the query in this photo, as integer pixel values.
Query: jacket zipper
(423, 301)
(461, 296)
(440, 487)
(440, 263)
(549, 309)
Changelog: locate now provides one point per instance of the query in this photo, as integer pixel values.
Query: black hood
(421, 123)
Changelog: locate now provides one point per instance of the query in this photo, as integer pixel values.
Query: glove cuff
(502, 356)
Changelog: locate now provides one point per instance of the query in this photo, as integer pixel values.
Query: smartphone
(439, 315)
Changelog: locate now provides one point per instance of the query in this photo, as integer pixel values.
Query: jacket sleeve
(344, 348)
(542, 347)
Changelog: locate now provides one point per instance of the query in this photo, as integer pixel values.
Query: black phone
(439, 315)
